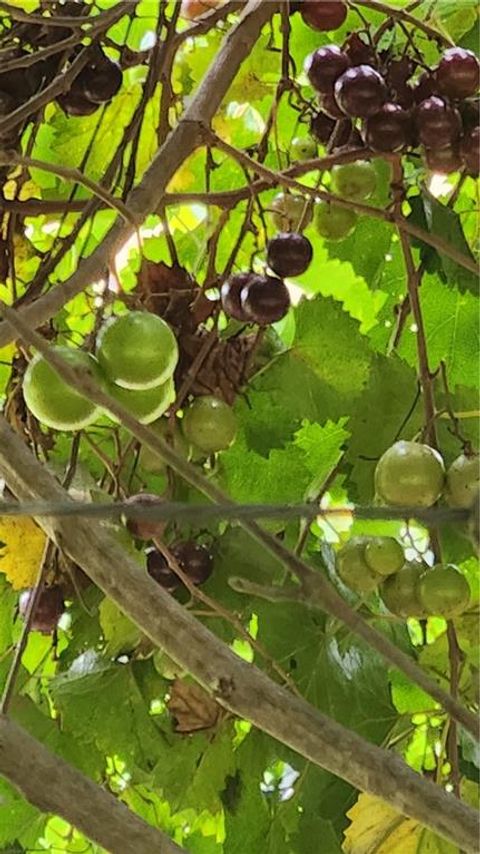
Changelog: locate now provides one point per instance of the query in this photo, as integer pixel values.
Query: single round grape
(54, 402)
(230, 295)
(470, 113)
(145, 529)
(443, 591)
(470, 151)
(360, 91)
(333, 222)
(458, 73)
(325, 65)
(384, 555)
(443, 160)
(358, 51)
(290, 210)
(356, 181)
(426, 86)
(195, 560)
(303, 148)
(323, 14)
(389, 130)
(399, 592)
(438, 124)
(265, 300)
(289, 254)
(48, 610)
(100, 81)
(209, 424)
(159, 570)
(353, 568)
(463, 481)
(409, 474)
(322, 127)
(137, 350)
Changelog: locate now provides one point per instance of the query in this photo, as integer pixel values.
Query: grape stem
(403, 15)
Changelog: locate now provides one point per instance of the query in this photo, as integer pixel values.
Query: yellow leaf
(23, 543)
(377, 828)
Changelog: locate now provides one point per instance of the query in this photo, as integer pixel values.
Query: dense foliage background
(318, 398)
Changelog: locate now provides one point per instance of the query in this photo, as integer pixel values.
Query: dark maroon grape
(322, 127)
(194, 559)
(145, 529)
(470, 113)
(325, 65)
(323, 14)
(391, 129)
(48, 610)
(330, 107)
(265, 300)
(438, 124)
(159, 570)
(289, 254)
(470, 151)
(458, 73)
(230, 295)
(100, 81)
(399, 71)
(360, 91)
(425, 87)
(403, 96)
(443, 160)
(358, 51)
(73, 103)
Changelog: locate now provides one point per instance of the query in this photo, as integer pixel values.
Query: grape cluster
(96, 84)
(394, 105)
(411, 474)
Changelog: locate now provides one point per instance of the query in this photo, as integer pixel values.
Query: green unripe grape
(353, 568)
(209, 424)
(356, 181)
(137, 350)
(333, 222)
(399, 592)
(443, 591)
(288, 210)
(463, 481)
(146, 405)
(303, 148)
(384, 555)
(409, 475)
(50, 399)
(152, 462)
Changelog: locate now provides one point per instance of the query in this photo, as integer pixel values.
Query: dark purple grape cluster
(193, 558)
(391, 105)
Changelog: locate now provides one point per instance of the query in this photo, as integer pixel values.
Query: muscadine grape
(159, 570)
(265, 300)
(438, 124)
(353, 568)
(289, 254)
(322, 127)
(357, 181)
(358, 51)
(384, 555)
(145, 529)
(100, 81)
(443, 160)
(325, 65)
(391, 129)
(458, 73)
(290, 210)
(360, 91)
(443, 591)
(48, 610)
(53, 401)
(410, 474)
(195, 560)
(230, 295)
(74, 103)
(329, 105)
(333, 222)
(137, 350)
(303, 148)
(323, 14)
(470, 113)
(399, 592)
(209, 424)
(399, 71)
(463, 481)
(425, 87)
(470, 151)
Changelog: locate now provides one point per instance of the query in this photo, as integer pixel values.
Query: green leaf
(443, 222)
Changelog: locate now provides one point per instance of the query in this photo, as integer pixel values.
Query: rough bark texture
(54, 786)
(237, 685)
